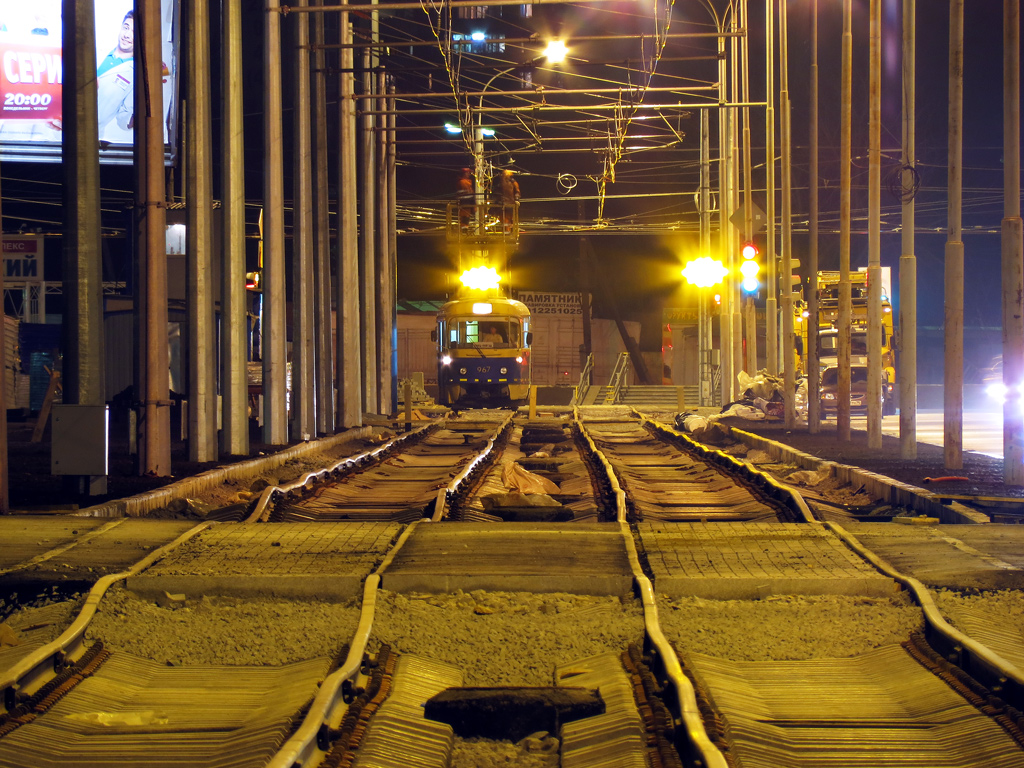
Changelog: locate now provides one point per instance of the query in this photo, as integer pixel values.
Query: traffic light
(749, 268)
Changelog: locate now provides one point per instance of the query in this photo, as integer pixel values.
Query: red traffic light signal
(749, 251)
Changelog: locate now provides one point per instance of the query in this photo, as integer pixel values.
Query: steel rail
(445, 495)
(34, 670)
(686, 697)
(261, 511)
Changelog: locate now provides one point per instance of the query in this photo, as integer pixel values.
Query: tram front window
(485, 333)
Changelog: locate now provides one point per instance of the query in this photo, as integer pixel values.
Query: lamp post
(704, 272)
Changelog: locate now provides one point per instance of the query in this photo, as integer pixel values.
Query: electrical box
(79, 440)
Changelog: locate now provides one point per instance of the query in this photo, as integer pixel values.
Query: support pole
(874, 388)
(274, 320)
(750, 317)
(392, 241)
(1012, 250)
(303, 390)
(324, 350)
(383, 324)
(813, 367)
(5, 487)
(202, 381)
(845, 309)
(348, 376)
(368, 241)
(771, 312)
(703, 319)
(788, 350)
(907, 370)
(149, 146)
(234, 380)
(953, 375)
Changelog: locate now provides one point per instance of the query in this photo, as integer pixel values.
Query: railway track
(897, 706)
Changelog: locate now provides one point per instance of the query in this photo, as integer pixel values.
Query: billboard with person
(31, 78)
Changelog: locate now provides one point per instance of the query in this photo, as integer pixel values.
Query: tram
(483, 351)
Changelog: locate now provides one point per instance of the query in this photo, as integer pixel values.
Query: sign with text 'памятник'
(541, 303)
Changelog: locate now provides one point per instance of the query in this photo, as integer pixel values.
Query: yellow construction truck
(828, 333)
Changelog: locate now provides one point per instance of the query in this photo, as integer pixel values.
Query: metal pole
(149, 139)
(953, 375)
(845, 309)
(725, 195)
(813, 368)
(874, 388)
(703, 324)
(788, 351)
(234, 378)
(771, 303)
(732, 254)
(392, 243)
(5, 496)
(303, 399)
(274, 320)
(348, 376)
(383, 261)
(83, 378)
(368, 261)
(907, 375)
(321, 237)
(750, 364)
(202, 381)
(1012, 250)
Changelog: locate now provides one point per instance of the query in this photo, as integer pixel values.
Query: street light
(704, 272)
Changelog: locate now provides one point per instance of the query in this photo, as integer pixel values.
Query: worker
(493, 336)
(509, 198)
(464, 194)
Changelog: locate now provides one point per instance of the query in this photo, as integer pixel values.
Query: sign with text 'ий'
(23, 259)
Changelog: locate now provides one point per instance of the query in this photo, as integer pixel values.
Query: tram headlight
(519, 359)
(462, 371)
(446, 360)
(503, 370)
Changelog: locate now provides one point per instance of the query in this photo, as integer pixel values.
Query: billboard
(31, 78)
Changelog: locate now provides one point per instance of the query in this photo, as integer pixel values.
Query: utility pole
(874, 388)
(953, 376)
(845, 309)
(811, 353)
(1012, 250)
(788, 351)
(907, 375)
(771, 312)
(368, 240)
(750, 364)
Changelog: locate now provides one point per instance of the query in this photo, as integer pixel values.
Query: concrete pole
(392, 244)
(750, 362)
(735, 297)
(725, 196)
(907, 371)
(149, 143)
(953, 378)
(82, 374)
(383, 258)
(348, 371)
(845, 303)
(5, 492)
(788, 351)
(303, 399)
(1012, 250)
(274, 320)
(812, 368)
(234, 378)
(703, 320)
(874, 387)
(321, 237)
(368, 241)
(771, 320)
(202, 365)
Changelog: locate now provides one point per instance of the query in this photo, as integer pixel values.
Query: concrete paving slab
(744, 561)
(580, 558)
(952, 556)
(326, 561)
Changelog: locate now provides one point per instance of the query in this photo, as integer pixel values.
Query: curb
(142, 503)
(881, 488)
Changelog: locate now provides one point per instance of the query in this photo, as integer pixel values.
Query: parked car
(858, 389)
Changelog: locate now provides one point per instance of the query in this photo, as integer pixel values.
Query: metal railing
(586, 376)
(618, 379)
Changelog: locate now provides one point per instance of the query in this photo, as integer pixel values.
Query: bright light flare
(704, 272)
(556, 52)
(446, 360)
(452, 128)
(481, 278)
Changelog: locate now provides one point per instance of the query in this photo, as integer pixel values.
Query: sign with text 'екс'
(23, 259)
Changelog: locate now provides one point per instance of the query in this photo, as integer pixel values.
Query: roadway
(982, 429)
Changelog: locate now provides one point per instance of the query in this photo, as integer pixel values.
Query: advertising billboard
(31, 78)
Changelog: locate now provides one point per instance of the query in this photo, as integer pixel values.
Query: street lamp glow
(451, 128)
(478, 37)
(486, 131)
(704, 272)
(556, 52)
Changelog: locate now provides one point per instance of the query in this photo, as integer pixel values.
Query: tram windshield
(485, 333)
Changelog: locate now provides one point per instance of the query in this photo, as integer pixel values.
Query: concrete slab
(581, 558)
(326, 561)
(952, 556)
(744, 561)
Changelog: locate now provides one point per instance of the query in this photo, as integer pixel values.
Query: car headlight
(828, 396)
(997, 391)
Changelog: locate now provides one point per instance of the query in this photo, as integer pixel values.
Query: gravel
(505, 638)
(787, 628)
(538, 750)
(1006, 605)
(223, 631)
